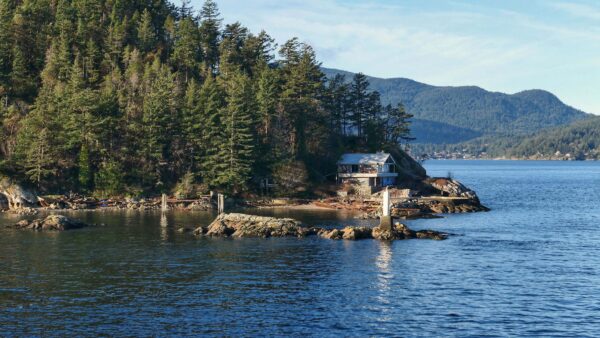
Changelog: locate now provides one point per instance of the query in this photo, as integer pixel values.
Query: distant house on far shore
(367, 172)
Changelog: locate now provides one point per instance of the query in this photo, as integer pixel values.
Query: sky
(499, 45)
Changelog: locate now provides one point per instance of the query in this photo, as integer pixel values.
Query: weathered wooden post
(164, 206)
(385, 222)
(221, 203)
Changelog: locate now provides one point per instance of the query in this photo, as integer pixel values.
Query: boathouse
(367, 172)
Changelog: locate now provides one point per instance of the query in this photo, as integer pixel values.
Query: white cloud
(499, 48)
(579, 10)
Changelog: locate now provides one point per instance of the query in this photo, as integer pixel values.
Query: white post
(221, 203)
(164, 206)
(385, 206)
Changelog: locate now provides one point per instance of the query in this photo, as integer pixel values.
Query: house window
(354, 168)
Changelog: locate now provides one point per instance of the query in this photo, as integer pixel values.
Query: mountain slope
(476, 111)
(581, 140)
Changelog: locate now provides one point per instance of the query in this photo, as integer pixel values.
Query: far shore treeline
(132, 97)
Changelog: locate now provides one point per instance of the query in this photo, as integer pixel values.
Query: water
(528, 268)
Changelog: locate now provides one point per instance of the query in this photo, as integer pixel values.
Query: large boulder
(50, 223)
(452, 188)
(17, 196)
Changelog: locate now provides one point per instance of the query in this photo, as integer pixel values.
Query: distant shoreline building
(367, 173)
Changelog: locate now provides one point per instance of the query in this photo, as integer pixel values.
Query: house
(368, 172)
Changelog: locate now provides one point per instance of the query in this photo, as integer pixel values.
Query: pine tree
(398, 124)
(214, 136)
(40, 144)
(146, 33)
(301, 99)
(85, 172)
(6, 9)
(238, 151)
(267, 94)
(193, 126)
(159, 113)
(210, 30)
(360, 103)
(232, 58)
(187, 51)
(338, 101)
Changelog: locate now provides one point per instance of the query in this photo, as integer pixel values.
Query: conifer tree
(193, 126)
(398, 125)
(145, 31)
(360, 102)
(85, 174)
(210, 29)
(238, 151)
(187, 51)
(159, 111)
(5, 45)
(212, 102)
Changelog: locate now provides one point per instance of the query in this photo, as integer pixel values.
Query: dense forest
(137, 97)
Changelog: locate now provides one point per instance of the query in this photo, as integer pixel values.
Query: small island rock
(241, 225)
(50, 223)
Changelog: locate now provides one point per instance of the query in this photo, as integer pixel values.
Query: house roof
(375, 158)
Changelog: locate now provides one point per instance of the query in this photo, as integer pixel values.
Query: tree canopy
(131, 97)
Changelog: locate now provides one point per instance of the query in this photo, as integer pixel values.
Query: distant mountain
(449, 115)
(579, 140)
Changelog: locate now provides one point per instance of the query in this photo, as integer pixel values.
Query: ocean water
(530, 267)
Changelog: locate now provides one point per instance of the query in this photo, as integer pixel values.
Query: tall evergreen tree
(187, 52)
(6, 42)
(214, 137)
(146, 32)
(360, 103)
(210, 29)
(238, 151)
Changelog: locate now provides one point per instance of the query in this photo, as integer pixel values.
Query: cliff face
(407, 166)
(16, 196)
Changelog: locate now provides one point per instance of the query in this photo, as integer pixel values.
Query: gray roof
(375, 158)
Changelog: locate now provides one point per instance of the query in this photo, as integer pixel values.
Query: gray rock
(50, 223)
(17, 196)
(241, 225)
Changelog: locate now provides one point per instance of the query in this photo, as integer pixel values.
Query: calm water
(531, 267)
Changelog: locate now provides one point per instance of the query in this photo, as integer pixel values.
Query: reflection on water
(138, 276)
(164, 227)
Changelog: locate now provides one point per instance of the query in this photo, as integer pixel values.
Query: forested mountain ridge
(477, 111)
(136, 97)
(577, 141)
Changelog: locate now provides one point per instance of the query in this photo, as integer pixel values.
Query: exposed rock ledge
(242, 225)
(50, 223)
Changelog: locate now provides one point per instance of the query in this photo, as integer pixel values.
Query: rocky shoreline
(249, 226)
(427, 199)
(236, 225)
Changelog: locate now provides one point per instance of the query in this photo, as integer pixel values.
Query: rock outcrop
(242, 225)
(451, 187)
(17, 196)
(401, 231)
(50, 223)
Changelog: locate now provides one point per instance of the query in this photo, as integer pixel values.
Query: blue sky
(503, 45)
